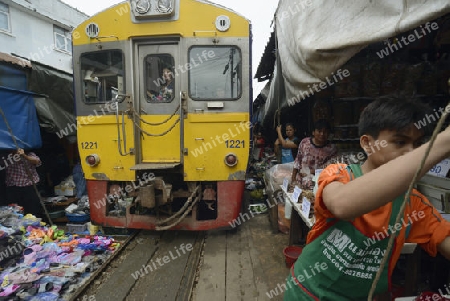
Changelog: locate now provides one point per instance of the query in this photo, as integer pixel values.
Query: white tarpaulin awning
(315, 38)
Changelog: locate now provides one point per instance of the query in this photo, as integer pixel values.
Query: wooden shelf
(69, 201)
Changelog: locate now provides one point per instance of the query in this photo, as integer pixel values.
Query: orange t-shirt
(428, 228)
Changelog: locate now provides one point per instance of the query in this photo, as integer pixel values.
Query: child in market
(286, 147)
(356, 207)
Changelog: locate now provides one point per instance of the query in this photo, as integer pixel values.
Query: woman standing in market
(21, 176)
(288, 145)
(313, 153)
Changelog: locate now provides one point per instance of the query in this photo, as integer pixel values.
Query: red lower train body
(227, 204)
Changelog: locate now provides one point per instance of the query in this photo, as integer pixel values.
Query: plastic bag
(276, 175)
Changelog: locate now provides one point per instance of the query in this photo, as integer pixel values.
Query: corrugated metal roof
(5, 57)
(267, 64)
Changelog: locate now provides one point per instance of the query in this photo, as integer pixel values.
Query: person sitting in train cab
(166, 88)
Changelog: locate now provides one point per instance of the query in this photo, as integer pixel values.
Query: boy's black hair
(392, 113)
(322, 124)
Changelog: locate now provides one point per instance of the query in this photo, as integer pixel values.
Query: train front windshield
(103, 75)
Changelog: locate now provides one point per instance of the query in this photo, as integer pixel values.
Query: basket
(76, 228)
(291, 254)
(77, 218)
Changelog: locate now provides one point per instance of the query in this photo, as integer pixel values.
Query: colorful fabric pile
(38, 262)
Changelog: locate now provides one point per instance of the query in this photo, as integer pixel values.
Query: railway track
(219, 265)
(149, 265)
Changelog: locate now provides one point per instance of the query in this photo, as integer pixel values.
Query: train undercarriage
(164, 201)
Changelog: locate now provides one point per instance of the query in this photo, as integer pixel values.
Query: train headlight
(142, 6)
(165, 6)
(92, 160)
(231, 159)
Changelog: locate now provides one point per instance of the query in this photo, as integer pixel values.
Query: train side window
(160, 77)
(215, 73)
(103, 75)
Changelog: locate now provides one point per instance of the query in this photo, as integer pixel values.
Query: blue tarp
(12, 77)
(20, 112)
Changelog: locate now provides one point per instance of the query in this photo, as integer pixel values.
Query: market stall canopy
(259, 105)
(315, 38)
(56, 112)
(5, 57)
(18, 120)
(52, 91)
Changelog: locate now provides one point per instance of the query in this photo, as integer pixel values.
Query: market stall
(46, 262)
(335, 58)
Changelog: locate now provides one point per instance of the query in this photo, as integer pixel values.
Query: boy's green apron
(341, 263)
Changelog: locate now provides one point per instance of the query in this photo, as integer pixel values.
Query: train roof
(223, 7)
(116, 23)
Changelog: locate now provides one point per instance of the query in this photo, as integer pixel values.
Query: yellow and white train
(163, 97)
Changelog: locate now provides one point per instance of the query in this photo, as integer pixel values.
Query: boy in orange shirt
(356, 207)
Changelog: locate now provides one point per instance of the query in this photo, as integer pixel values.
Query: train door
(159, 105)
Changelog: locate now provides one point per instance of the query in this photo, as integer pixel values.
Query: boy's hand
(21, 152)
